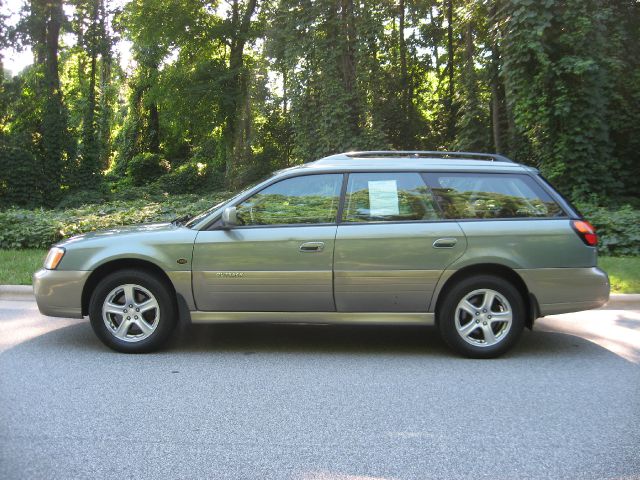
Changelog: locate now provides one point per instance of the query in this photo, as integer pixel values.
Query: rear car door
(391, 245)
(280, 258)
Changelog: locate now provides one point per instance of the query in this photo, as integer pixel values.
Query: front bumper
(564, 290)
(59, 292)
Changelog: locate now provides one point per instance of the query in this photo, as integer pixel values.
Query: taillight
(585, 231)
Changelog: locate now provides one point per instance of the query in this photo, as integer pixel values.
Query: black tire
(164, 319)
(478, 343)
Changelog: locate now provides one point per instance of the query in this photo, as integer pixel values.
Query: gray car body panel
(371, 268)
(391, 267)
(263, 269)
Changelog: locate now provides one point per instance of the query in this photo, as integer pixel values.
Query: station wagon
(475, 244)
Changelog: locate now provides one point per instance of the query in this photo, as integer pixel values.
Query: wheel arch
(499, 270)
(120, 264)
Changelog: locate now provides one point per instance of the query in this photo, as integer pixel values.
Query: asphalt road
(319, 402)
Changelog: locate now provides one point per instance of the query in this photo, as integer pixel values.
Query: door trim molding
(333, 318)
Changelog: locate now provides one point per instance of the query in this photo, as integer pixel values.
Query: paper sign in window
(383, 198)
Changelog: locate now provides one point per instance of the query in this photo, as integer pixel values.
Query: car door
(280, 258)
(391, 245)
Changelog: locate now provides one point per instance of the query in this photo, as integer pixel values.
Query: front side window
(487, 195)
(307, 199)
(380, 197)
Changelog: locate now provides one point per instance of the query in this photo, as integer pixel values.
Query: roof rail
(493, 157)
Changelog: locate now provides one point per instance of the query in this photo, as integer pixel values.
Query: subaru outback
(475, 244)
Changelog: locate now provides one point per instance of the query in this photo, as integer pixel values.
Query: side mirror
(229, 217)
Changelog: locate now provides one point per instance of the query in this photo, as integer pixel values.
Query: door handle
(445, 243)
(309, 247)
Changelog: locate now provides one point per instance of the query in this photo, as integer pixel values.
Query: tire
(474, 325)
(140, 324)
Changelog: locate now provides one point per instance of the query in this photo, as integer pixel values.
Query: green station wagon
(474, 244)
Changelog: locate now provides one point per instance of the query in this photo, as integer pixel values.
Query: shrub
(188, 178)
(145, 168)
(82, 197)
(21, 228)
(618, 229)
(18, 177)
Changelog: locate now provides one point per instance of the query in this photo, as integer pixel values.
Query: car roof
(411, 161)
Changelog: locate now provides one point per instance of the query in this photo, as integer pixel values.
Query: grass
(624, 273)
(17, 267)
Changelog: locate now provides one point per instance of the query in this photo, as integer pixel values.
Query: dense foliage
(40, 228)
(220, 92)
(618, 230)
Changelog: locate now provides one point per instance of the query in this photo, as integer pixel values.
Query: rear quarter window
(488, 195)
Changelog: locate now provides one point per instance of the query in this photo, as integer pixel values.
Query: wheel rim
(130, 312)
(483, 317)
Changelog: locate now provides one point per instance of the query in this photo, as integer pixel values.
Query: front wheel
(482, 316)
(132, 311)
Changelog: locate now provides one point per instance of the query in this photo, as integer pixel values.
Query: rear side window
(486, 195)
(388, 197)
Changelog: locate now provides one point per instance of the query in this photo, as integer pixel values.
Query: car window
(375, 197)
(485, 195)
(298, 200)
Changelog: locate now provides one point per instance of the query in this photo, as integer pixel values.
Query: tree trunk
(235, 123)
(104, 110)
(53, 36)
(497, 103)
(451, 124)
(348, 62)
(154, 128)
(54, 127)
(404, 82)
(498, 113)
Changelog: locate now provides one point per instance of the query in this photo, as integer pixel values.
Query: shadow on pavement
(249, 339)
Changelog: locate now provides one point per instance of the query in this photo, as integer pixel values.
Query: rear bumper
(59, 293)
(564, 290)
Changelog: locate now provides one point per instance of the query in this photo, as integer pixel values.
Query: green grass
(17, 267)
(624, 273)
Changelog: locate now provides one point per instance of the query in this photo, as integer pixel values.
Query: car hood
(123, 230)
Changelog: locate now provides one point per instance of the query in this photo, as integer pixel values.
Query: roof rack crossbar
(493, 157)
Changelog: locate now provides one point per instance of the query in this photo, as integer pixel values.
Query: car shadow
(360, 340)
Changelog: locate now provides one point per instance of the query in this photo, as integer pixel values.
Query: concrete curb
(624, 300)
(620, 301)
(16, 292)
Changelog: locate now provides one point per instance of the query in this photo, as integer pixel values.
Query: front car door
(391, 245)
(280, 258)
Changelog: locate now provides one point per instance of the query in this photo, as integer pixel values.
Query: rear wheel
(132, 311)
(482, 316)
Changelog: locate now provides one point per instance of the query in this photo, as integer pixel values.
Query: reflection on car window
(300, 200)
(375, 197)
(479, 195)
(201, 216)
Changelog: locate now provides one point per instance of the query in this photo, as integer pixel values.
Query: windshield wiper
(181, 220)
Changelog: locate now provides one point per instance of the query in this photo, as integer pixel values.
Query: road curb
(16, 292)
(624, 300)
(617, 300)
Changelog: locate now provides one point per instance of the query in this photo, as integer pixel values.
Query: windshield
(201, 216)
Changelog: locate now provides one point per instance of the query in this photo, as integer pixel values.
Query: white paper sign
(383, 198)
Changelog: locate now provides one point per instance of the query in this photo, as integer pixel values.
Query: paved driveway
(319, 402)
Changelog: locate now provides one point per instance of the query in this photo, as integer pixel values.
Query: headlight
(53, 258)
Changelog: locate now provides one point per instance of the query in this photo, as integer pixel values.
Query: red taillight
(586, 232)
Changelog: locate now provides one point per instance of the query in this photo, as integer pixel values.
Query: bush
(618, 229)
(82, 197)
(188, 178)
(21, 228)
(145, 168)
(18, 177)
